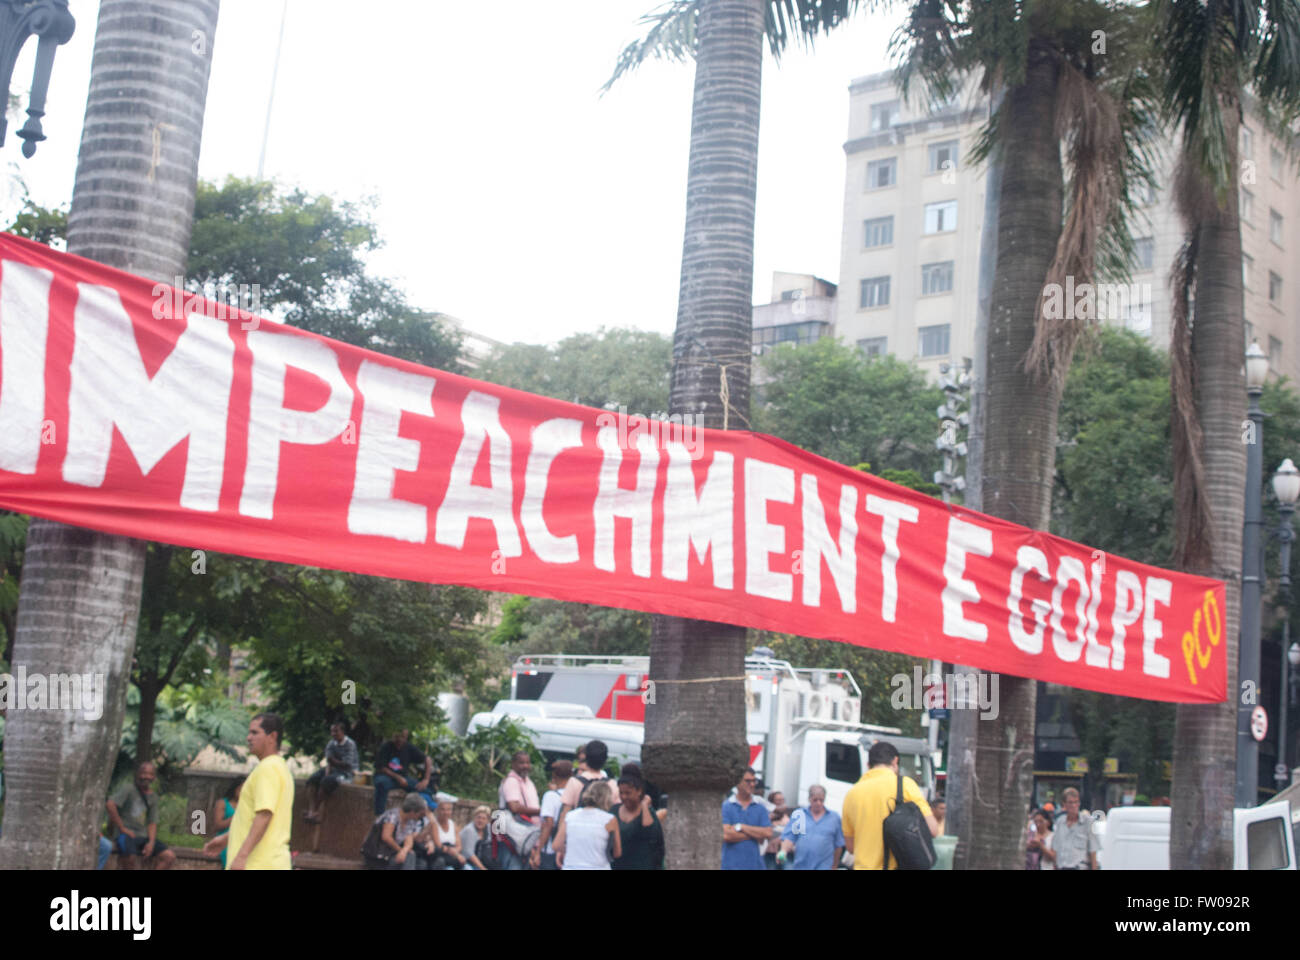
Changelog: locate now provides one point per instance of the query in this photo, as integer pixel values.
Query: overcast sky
(509, 193)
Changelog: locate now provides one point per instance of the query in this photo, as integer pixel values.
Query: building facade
(914, 212)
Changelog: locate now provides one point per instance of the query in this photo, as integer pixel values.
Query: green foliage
(189, 718)
(42, 224)
(610, 368)
(307, 256)
(539, 625)
(1114, 470)
(474, 766)
(832, 400)
(394, 644)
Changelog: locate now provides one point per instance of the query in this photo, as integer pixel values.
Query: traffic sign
(1258, 723)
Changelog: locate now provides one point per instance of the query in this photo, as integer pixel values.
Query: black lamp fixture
(53, 24)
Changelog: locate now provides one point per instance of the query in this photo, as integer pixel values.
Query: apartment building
(914, 212)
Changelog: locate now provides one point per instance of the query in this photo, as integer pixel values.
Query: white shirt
(1045, 863)
(445, 836)
(586, 839)
(552, 804)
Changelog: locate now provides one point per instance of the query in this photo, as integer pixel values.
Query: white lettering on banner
(892, 513)
(481, 420)
(24, 329)
(963, 538)
(387, 393)
(1027, 558)
(271, 423)
(765, 482)
(1154, 664)
(187, 397)
(548, 440)
(1128, 607)
(1096, 653)
(1069, 570)
(703, 521)
(637, 504)
(817, 545)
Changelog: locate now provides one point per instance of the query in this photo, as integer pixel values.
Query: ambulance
(802, 723)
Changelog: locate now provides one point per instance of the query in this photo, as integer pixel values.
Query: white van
(1263, 837)
(559, 729)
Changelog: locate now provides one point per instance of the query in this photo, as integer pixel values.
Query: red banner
(131, 407)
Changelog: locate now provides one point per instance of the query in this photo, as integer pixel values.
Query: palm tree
(1054, 221)
(1064, 97)
(1212, 53)
(132, 206)
(695, 727)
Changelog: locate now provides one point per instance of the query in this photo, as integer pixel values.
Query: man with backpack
(517, 817)
(871, 800)
(591, 767)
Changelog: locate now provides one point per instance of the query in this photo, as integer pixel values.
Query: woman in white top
(584, 840)
(447, 839)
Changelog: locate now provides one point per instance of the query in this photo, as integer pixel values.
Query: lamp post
(20, 19)
(1247, 786)
(1286, 485)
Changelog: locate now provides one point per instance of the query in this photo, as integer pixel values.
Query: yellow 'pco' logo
(1193, 652)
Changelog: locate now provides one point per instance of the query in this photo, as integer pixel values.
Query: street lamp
(20, 19)
(1247, 785)
(1286, 485)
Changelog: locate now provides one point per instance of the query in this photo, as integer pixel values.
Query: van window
(843, 762)
(1266, 844)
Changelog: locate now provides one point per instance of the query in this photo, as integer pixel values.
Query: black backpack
(907, 836)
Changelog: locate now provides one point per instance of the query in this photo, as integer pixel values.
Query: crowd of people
(1061, 840)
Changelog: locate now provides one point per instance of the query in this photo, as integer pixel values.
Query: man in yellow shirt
(259, 831)
(872, 799)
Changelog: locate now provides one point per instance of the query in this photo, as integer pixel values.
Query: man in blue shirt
(814, 834)
(744, 824)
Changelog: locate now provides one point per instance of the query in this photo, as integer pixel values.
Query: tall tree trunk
(149, 689)
(1019, 451)
(695, 728)
(1205, 737)
(132, 208)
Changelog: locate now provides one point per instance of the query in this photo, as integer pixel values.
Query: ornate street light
(1286, 485)
(20, 19)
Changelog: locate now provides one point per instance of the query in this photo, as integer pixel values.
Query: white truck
(1263, 837)
(802, 723)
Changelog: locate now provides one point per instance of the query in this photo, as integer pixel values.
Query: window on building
(1144, 249)
(805, 331)
(933, 341)
(941, 217)
(1247, 271)
(882, 173)
(1247, 212)
(1275, 226)
(1274, 288)
(1274, 354)
(794, 294)
(1250, 333)
(883, 115)
(879, 232)
(875, 292)
(943, 156)
(1247, 141)
(936, 278)
(1275, 163)
(873, 346)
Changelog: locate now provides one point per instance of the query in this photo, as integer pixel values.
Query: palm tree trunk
(132, 208)
(1205, 737)
(996, 777)
(695, 731)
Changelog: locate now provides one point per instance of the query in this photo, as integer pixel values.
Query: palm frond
(670, 35)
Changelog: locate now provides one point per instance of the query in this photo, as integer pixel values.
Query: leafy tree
(610, 368)
(832, 400)
(540, 625)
